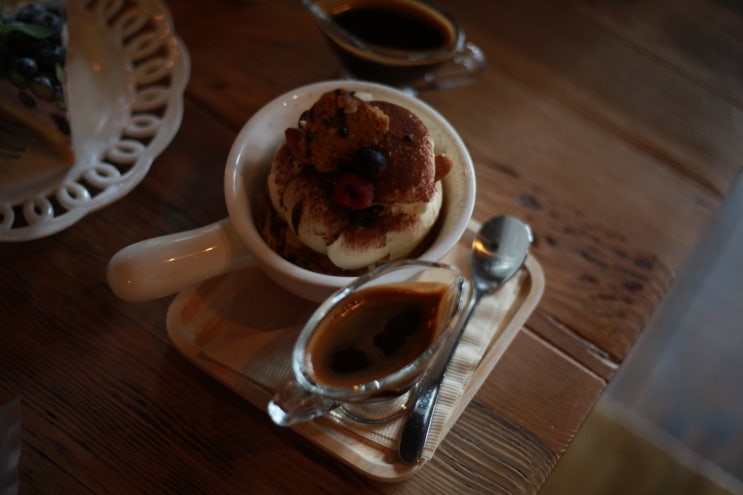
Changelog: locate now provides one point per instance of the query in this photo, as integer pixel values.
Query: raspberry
(353, 191)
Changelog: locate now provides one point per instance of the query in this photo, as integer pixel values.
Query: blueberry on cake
(32, 77)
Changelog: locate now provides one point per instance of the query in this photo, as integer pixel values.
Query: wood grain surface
(614, 128)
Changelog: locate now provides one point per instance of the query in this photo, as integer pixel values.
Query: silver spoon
(498, 251)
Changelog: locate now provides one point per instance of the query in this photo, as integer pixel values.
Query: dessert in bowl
(356, 183)
(158, 267)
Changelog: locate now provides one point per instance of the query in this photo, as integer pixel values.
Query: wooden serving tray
(240, 328)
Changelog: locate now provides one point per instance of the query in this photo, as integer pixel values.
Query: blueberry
(369, 162)
(42, 88)
(26, 67)
(49, 57)
(39, 15)
(29, 13)
(30, 57)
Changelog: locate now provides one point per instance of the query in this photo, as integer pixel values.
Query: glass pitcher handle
(461, 69)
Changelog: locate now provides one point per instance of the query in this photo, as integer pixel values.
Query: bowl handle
(162, 266)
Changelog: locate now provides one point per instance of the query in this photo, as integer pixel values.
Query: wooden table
(614, 128)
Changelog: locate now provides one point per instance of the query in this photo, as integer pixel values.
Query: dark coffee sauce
(375, 333)
(394, 28)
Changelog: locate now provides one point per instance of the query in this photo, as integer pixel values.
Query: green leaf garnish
(32, 30)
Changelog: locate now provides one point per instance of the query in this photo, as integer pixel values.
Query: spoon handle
(417, 425)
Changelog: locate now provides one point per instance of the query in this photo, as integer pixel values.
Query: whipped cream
(396, 244)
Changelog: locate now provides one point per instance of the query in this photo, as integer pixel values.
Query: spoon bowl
(498, 251)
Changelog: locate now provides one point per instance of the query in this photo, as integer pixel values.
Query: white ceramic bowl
(162, 266)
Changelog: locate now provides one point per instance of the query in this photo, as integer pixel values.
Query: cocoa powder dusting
(410, 157)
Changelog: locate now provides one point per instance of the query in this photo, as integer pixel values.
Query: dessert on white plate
(33, 94)
(125, 70)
